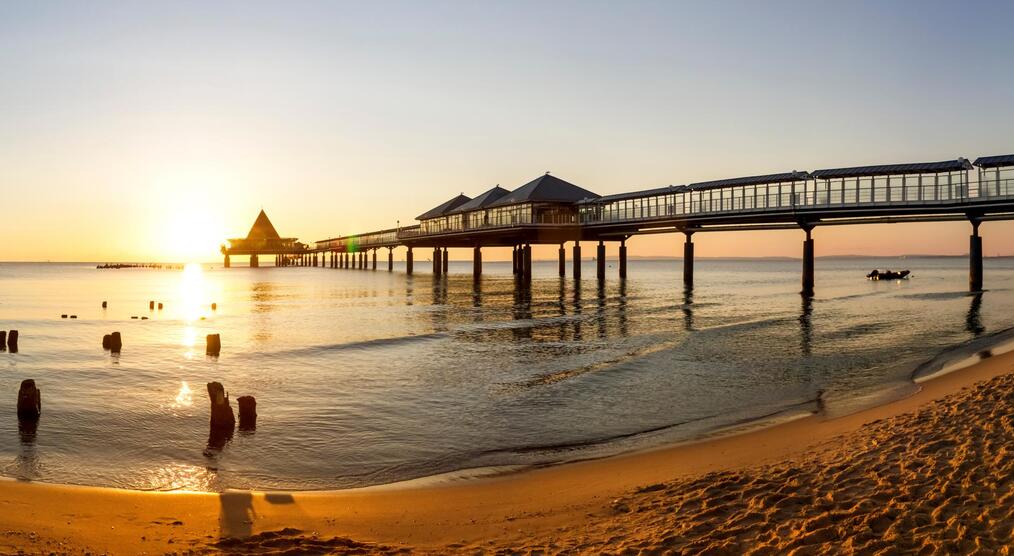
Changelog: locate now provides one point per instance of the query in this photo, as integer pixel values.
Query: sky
(153, 131)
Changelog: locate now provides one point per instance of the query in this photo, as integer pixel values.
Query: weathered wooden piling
(29, 401)
(214, 306)
(577, 260)
(222, 416)
(151, 305)
(115, 342)
(103, 304)
(107, 341)
(3, 340)
(214, 344)
(159, 306)
(12, 341)
(63, 316)
(247, 412)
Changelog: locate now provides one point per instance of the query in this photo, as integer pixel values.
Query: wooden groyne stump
(115, 342)
(222, 416)
(107, 341)
(29, 401)
(12, 341)
(103, 304)
(151, 305)
(214, 344)
(3, 340)
(247, 412)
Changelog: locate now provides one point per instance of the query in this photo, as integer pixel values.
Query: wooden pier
(549, 210)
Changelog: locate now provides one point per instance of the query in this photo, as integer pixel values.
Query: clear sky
(144, 131)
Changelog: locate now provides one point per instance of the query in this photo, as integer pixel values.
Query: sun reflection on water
(193, 292)
(185, 397)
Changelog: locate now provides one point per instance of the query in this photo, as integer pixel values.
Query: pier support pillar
(362, 260)
(476, 262)
(408, 262)
(254, 261)
(577, 260)
(390, 259)
(528, 262)
(807, 263)
(437, 266)
(374, 259)
(688, 261)
(562, 254)
(227, 263)
(600, 260)
(975, 258)
(623, 258)
(445, 260)
(514, 259)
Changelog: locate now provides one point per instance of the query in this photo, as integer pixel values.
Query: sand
(931, 473)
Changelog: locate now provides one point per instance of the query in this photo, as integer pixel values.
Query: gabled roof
(994, 161)
(544, 188)
(751, 180)
(889, 169)
(262, 228)
(636, 194)
(482, 200)
(443, 208)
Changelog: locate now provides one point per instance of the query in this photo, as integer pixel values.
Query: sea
(366, 377)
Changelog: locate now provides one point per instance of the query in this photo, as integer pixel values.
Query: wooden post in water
(563, 261)
(623, 258)
(445, 259)
(476, 262)
(436, 261)
(688, 261)
(807, 263)
(600, 260)
(528, 262)
(29, 401)
(577, 260)
(408, 262)
(390, 259)
(975, 258)
(222, 416)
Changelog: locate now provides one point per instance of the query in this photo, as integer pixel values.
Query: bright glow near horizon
(145, 131)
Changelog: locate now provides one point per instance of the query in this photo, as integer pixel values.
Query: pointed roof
(545, 188)
(444, 208)
(482, 200)
(262, 228)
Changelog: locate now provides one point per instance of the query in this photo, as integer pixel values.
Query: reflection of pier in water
(549, 210)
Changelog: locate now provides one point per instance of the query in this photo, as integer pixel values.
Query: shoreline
(508, 507)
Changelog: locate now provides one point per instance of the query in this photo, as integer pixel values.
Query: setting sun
(190, 234)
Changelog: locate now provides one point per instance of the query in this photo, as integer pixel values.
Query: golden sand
(931, 473)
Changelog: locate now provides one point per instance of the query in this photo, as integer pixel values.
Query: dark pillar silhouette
(563, 261)
(623, 258)
(390, 259)
(514, 259)
(227, 263)
(688, 261)
(975, 258)
(12, 341)
(408, 262)
(808, 262)
(374, 259)
(446, 259)
(222, 416)
(3, 340)
(29, 401)
(437, 266)
(577, 260)
(476, 262)
(528, 262)
(600, 260)
(247, 412)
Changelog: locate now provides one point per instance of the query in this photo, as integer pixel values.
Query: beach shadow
(236, 515)
(279, 498)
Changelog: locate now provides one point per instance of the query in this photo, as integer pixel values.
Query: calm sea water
(367, 377)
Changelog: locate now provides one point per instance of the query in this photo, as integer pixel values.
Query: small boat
(888, 275)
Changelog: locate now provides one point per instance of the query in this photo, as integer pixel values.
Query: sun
(192, 234)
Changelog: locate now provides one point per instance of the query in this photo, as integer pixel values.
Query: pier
(550, 210)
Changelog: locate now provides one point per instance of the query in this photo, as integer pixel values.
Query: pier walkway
(549, 210)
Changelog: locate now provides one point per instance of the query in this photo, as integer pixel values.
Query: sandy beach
(929, 472)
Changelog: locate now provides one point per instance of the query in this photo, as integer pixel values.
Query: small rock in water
(63, 316)
(29, 400)
(144, 318)
(73, 316)
(134, 317)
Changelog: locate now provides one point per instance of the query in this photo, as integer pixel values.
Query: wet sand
(930, 472)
